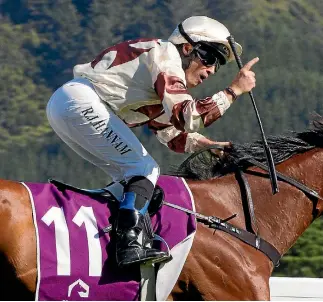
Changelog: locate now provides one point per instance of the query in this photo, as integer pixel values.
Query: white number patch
(84, 216)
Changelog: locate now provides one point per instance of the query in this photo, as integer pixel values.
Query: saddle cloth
(74, 258)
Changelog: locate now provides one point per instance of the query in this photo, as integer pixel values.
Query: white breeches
(85, 123)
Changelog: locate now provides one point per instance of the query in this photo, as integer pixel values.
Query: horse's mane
(205, 165)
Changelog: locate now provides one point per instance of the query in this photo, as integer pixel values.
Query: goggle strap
(185, 35)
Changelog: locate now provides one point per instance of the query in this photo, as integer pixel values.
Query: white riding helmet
(202, 28)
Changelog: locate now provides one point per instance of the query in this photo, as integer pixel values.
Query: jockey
(145, 81)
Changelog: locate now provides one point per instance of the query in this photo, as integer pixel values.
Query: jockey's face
(196, 73)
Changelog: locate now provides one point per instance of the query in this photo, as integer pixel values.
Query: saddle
(113, 192)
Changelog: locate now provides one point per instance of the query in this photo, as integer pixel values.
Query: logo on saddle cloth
(76, 258)
(83, 293)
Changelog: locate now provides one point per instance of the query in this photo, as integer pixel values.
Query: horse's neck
(281, 218)
(284, 217)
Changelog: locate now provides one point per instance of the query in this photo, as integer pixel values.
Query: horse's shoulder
(12, 190)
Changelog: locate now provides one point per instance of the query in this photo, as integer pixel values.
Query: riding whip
(269, 157)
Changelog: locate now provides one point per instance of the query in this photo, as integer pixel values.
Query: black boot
(128, 249)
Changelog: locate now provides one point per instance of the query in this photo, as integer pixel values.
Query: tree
(22, 101)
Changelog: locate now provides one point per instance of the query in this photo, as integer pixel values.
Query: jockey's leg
(91, 128)
(130, 218)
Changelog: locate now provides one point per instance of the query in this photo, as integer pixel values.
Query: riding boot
(128, 227)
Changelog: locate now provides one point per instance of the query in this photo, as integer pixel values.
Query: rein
(221, 224)
(287, 179)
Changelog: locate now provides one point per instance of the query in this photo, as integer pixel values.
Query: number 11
(84, 216)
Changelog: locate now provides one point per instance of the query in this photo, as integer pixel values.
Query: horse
(219, 266)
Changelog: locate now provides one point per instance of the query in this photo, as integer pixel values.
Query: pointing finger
(251, 63)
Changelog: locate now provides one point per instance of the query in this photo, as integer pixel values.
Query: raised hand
(245, 79)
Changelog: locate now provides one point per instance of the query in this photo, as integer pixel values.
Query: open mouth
(202, 77)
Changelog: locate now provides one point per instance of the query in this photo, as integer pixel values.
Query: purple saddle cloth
(75, 259)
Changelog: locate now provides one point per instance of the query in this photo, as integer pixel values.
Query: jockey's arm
(179, 141)
(185, 113)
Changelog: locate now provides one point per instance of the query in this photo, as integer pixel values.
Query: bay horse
(219, 266)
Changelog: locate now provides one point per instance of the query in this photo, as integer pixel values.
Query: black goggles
(210, 53)
(207, 56)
